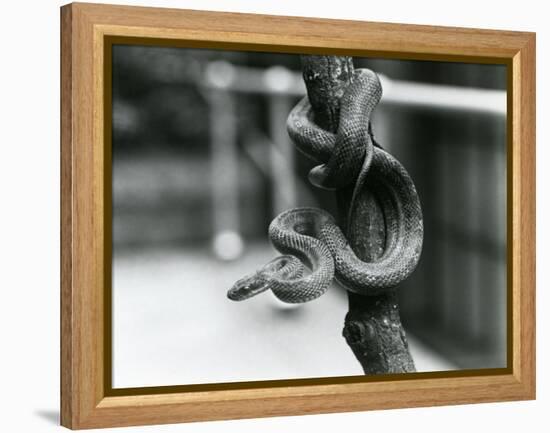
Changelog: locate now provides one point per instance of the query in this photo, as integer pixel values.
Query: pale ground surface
(172, 324)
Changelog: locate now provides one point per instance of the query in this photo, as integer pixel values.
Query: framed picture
(265, 215)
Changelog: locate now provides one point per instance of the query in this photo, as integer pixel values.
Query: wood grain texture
(67, 385)
(85, 400)
(524, 226)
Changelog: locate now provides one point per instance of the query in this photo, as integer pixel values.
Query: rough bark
(373, 328)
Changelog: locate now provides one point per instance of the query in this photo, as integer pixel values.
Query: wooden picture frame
(87, 33)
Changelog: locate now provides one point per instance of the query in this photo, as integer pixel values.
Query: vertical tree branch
(373, 328)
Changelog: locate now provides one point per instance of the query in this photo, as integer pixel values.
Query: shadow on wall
(51, 416)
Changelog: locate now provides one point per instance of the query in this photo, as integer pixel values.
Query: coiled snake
(311, 236)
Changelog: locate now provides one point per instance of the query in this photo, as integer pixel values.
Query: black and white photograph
(295, 216)
(277, 217)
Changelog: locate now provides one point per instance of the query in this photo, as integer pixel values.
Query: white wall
(29, 232)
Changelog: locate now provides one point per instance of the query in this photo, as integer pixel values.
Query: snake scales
(310, 237)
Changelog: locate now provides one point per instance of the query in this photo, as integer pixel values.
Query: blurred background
(202, 163)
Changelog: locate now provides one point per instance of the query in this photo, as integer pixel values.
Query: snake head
(246, 287)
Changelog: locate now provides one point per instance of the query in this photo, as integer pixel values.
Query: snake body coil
(311, 235)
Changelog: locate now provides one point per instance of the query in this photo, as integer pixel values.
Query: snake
(315, 250)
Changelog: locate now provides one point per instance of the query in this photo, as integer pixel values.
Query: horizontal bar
(280, 80)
